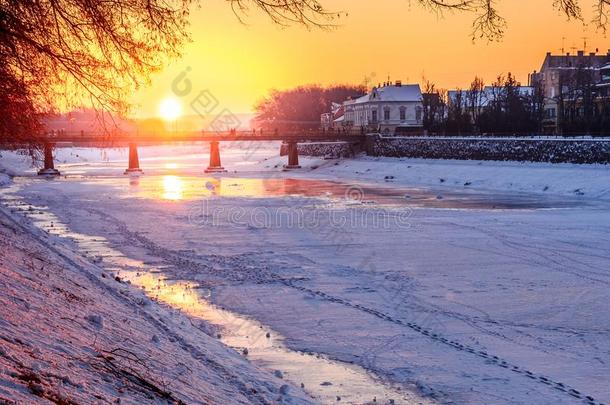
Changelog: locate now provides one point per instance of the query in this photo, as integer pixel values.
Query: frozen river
(359, 289)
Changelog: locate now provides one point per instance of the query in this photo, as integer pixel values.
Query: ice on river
(490, 286)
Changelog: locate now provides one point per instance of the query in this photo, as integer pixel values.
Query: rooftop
(591, 59)
(391, 92)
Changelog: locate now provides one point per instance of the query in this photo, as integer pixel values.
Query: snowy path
(465, 306)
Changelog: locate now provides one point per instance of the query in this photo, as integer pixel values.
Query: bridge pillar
(49, 168)
(134, 160)
(293, 157)
(215, 165)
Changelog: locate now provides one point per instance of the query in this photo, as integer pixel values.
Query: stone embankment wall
(555, 150)
(331, 150)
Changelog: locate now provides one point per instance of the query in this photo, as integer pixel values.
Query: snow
(389, 93)
(72, 333)
(263, 159)
(532, 138)
(4, 179)
(447, 302)
(545, 178)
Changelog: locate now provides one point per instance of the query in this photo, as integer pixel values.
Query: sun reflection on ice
(173, 188)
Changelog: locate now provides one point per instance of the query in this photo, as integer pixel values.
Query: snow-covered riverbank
(463, 305)
(72, 333)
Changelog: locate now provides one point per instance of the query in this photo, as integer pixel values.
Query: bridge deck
(292, 138)
(238, 136)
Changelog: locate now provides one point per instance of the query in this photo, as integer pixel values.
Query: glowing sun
(170, 109)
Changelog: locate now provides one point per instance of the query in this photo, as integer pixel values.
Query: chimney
(592, 54)
(581, 53)
(548, 54)
(398, 83)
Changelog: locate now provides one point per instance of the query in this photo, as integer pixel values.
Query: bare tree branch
(57, 53)
(309, 13)
(570, 8)
(488, 23)
(600, 18)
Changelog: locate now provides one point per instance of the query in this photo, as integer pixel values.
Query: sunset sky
(239, 63)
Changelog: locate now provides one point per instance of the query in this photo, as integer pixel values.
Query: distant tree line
(504, 107)
(301, 107)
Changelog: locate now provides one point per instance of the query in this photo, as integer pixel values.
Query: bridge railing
(254, 135)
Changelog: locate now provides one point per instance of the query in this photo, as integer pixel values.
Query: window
(374, 116)
(403, 113)
(386, 114)
(418, 113)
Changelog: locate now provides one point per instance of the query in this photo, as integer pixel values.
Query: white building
(333, 119)
(389, 109)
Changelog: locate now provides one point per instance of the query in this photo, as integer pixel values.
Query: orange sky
(239, 63)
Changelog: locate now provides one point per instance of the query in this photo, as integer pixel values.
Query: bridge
(290, 137)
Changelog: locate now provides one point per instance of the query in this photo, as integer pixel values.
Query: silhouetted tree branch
(57, 54)
(488, 22)
(601, 14)
(286, 12)
(60, 52)
(570, 8)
